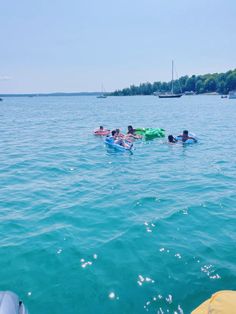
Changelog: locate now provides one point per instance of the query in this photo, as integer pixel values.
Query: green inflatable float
(150, 133)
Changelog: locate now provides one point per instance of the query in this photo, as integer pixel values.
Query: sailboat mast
(171, 94)
(172, 77)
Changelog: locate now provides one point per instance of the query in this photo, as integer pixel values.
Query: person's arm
(136, 136)
(130, 135)
(192, 138)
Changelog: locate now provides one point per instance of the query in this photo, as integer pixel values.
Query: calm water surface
(85, 229)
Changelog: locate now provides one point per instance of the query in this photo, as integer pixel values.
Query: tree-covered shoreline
(221, 83)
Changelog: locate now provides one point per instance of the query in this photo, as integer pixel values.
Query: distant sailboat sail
(170, 94)
(103, 94)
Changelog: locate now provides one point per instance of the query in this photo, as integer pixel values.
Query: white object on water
(112, 295)
(11, 304)
(232, 94)
(141, 278)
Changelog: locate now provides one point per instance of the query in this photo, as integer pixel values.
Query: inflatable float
(150, 133)
(11, 304)
(110, 142)
(104, 132)
(221, 302)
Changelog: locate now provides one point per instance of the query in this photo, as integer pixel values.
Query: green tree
(221, 87)
(220, 82)
(182, 82)
(210, 85)
(156, 86)
(231, 82)
(190, 84)
(199, 86)
(164, 87)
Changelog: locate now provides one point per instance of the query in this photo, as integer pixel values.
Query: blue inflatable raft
(110, 142)
(11, 304)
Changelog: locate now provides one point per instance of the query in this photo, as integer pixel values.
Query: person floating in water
(114, 138)
(171, 139)
(119, 134)
(184, 137)
(131, 130)
(131, 133)
(101, 131)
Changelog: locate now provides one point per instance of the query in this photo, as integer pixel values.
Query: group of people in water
(125, 140)
(119, 138)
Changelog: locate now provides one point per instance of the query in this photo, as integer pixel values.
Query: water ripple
(84, 228)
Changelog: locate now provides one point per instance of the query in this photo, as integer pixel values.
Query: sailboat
(102, 95)
(170, 94)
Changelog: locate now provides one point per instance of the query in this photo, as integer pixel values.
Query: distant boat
(102, 96)
(103, 93)
(224, 96)
(189, 93)
(170, 94)
(211, 94)
(1, 99)
(232, 94)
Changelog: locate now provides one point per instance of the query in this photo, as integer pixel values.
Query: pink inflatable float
(103, 132)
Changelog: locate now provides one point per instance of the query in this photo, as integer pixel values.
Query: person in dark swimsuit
(171, 139)
(185, 137)
(131, 133)
(131, 130)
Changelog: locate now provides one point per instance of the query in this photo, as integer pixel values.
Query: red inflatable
(101, 132)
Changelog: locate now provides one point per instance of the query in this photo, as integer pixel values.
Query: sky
(78, 45)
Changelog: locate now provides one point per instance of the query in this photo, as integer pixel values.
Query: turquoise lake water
(85, 229)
